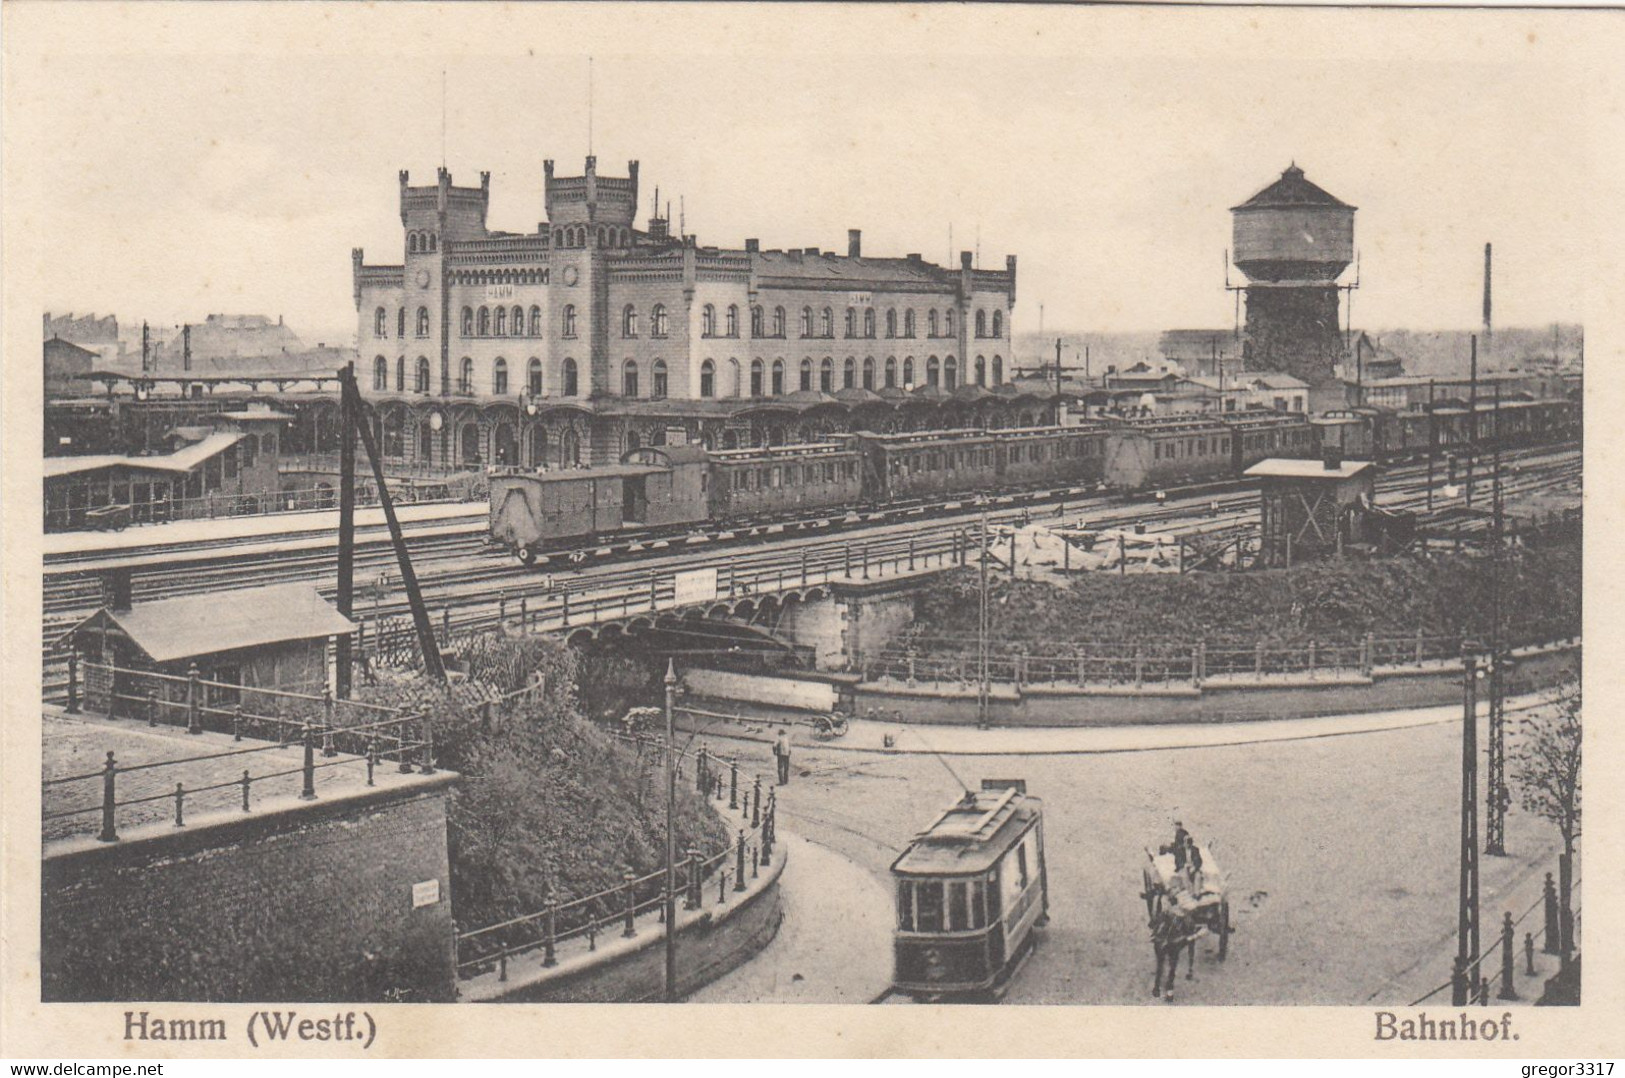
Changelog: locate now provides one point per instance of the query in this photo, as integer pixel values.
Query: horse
(1172, 930)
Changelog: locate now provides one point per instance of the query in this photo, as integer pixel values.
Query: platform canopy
(1282, 468)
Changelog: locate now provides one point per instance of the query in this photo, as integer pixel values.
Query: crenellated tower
(587, 217)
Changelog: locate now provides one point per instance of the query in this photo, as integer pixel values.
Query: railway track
(470, 582)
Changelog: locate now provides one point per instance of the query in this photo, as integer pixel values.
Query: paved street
(1340, 852)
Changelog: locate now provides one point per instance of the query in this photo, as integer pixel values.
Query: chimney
(753, 245)
(186, 347)
(1487, 323)
(965, 259)
(116, 589)
(810, 251)
(913, 256)
(854, 243)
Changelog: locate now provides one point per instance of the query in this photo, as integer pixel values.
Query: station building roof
(168, 630)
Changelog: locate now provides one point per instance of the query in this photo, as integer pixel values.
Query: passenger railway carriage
(971, 890)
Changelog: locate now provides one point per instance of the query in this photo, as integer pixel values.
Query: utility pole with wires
(671, 832)
(1497, 796)
(982, 718)
(1467, 952)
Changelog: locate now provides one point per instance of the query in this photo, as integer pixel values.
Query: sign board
(696, 586)
(676, 436)
(426, 893)
(494, 292)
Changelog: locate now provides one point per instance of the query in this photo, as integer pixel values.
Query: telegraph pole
(981, 637)
(1467, 903)
(671, 835)
(1432, 443)
(348, 417)
(1497, 796)
(1472, 421)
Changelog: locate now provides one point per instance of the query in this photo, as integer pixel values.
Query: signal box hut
(1312, 508)
(274, 637)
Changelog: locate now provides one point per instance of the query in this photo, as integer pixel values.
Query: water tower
(1292, 241)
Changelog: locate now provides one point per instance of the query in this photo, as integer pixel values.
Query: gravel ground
(1340, 852)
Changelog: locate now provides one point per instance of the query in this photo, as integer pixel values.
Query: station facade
(591, 336)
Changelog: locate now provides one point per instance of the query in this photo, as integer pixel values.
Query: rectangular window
(978, 904)
(905, 905)
(958, 907)
(1021, 865)
(230, 462)
(928, 905)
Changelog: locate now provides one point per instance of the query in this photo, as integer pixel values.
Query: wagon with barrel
(1200, 894)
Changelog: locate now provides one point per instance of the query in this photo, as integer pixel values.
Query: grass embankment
(1328, 602)
(546, 796)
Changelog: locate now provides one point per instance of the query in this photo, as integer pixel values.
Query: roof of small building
(167, 630)
(1291, 190)
(1279, 468)
(182, 460)
(252, 414)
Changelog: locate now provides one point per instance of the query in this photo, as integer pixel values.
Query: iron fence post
(372, 757)
(109, 800)
(756, 806)
(180, 803)
(1551, 944)
(722, 886)
(502, 609)
(865, 551)
(194, 716)
(1508, 959)
(654, 584)
(245, 789)
(564, 600)
(911, 553)
(524, 615)
(691, 898)
(702, 777)
(1529, 954)
(237, 722)
(755, 860)
(631, 907)
(739, 862)
(73, 683)
(309, 792)
(327, 724)
(733, 782)
(846, 553)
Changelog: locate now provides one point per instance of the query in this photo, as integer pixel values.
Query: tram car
(971, 891)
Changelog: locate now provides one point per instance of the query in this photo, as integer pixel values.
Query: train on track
(661, 493)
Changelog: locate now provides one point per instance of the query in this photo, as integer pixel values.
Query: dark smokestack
(1487, 323)
(116, 589)
(854, 243)
(753, 245)
(186, 347)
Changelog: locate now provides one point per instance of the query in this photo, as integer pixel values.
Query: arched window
(412, 243)
(423, 321)
(908, 323)
(422, 385)
(504, 450)
(465, 376)
(908, 372)
(827, 325)
(500, 329)
(629, 379)
(708, 379)
(778, 321)
(806, 374)
(518, 326)
(533, 377)
(756, 378)
(570, 448)
(869, 322)
(733, 320)
(948, 322)
(468, 321)
(756, 321)
(981, 323)
(535, 321)
(570, 385)
(933, 373)
(998, 371)
(380, 323)
(849, 374)
(708, 321)
(485, 322)
(499, 377)
(950, 373)
(425, 442)
(733, 377)
(394, 433)
(400, 322)
(400, 374)
(931, 323)
(778, 377)
(657, 321)
(658, 372)
(471, 443)
(851, 322)
(998, 323)
(632, 440)
(891, 372)
(806, 322)
(891, 322)
(568, 321)
(629, 321)
(826, 375)
(981, 370)
(869, 372)
(380, 374)
(538, 446)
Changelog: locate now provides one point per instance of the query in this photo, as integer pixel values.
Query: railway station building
(591, 336)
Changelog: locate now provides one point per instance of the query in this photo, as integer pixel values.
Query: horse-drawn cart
(1199, 895)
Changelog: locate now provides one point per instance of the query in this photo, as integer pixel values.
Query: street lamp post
(671, 834)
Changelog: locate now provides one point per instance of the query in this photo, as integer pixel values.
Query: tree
(1546, 766)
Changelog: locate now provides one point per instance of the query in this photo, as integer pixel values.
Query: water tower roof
(1291, 190)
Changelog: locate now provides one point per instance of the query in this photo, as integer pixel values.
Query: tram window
(928, 905)
(958, 907)
(978, 904)
(1021, 865)
(905, 905)
(993, 910)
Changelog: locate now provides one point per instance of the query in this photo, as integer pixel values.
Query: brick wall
(311, 903)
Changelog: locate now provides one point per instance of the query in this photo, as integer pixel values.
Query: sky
(222, 168)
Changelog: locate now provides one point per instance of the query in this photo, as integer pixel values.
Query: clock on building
(423, 278)
(569, 275)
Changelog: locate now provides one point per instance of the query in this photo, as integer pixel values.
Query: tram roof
(971, 835)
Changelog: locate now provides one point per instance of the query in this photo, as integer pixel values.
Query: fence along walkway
(343, 734)
(573, 926)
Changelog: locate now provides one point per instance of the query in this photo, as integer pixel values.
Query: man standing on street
(781, 753)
